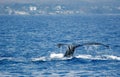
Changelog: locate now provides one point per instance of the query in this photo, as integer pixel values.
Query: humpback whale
(71, 48)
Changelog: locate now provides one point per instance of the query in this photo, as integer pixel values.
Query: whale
(71, 47)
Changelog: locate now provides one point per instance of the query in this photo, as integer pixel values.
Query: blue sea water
(28, 46)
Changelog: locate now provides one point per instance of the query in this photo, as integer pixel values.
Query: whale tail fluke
(84, 44)
(92, 43)
(71, 48)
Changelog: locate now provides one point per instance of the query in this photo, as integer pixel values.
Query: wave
(5, 58)
(12, 59)
(53, 56)
(39, 59)
(60, 56)
(101, 57)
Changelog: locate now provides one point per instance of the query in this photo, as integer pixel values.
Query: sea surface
(28, 46)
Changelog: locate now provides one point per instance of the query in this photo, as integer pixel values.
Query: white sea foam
(53, 56)
(112, 57)
(39, 59)
(56, 55)
(60, 56)
(99, 57)
(84, 56)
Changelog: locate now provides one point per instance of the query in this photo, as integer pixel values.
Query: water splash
(55, 55)
(60, 56)
(99, 57)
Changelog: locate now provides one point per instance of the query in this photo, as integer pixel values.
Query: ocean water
(28, 46)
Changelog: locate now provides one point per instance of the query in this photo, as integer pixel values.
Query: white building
(33, 8)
